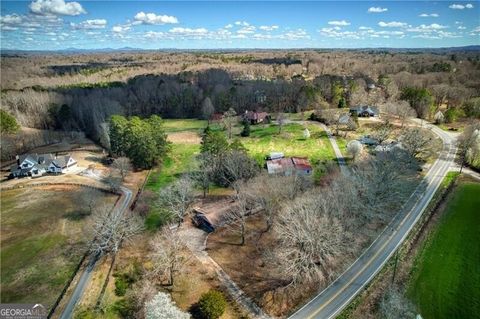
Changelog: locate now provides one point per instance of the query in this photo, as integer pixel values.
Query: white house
(35, 165)
(61, 164)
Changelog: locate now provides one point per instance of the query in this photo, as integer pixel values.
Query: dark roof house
(364, 111)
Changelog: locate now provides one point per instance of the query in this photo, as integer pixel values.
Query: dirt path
(196, 240)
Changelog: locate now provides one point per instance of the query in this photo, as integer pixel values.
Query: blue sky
(59, 24)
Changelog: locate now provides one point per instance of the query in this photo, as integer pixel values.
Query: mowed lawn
(447, 280)
(178, 161)
(264, 139)
(42, 241)
(181, 125)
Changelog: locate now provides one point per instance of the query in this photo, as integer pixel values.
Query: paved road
(331, 301)
(87, 272)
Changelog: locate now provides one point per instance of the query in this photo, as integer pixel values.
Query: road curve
(331, 301)
(87, 272)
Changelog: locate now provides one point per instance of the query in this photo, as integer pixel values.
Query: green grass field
(446, 283)
(178, 161)
(181, 125)
(266, 139)
(42, 241)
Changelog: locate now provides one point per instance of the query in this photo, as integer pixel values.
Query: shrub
(451, 115)
(212, 304)
(125, 308)
(156, 219)
(246, 129)
(120, 286)
(8, 124)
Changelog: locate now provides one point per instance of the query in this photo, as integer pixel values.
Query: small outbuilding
(364, 111)
(289, 165)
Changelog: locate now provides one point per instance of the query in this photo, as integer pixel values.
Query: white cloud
(228, 26)
(377, 9)
(247, 30)
(11, 19)
(294, 35)
(120, 28)
(56, 7)
(244, 23)
(90, 24)
(456, 6)
(152, 18)
(461, 28)
(364, 28)
(268, 27)
(392, 24)
(339, 23)
(429, 15)
(8, 28)
(427, 28)
(189, 31)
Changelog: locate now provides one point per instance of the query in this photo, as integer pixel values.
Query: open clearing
(42, 240)
(264, 139)
(447, 281)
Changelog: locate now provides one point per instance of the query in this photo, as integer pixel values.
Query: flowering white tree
(306, 133)
(162, 307)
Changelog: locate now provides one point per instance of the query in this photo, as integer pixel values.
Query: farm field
(42, 239)
(446, 283)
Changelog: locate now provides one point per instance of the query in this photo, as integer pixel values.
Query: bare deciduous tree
(383, 132)
(177, 197)
(123, 166)
(280, 121)
(89, 198)
(469, 145)
(310, 240)
(168, 254)
(207, 109)
(395, 305)
(417, 142)
(235, 166)
(113, 180)
(236, 218)
(229, 119)
(111, 228)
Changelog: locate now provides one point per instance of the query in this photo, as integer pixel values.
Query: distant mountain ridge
(131, 49)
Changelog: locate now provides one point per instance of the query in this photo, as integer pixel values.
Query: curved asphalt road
(87, 273)
(331, 301)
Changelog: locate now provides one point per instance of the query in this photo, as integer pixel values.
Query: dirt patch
(184, 138)
(250, 267)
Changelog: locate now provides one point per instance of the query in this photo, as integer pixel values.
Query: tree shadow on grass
(76, 215)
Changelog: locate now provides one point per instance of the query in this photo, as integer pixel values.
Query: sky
(60, 24)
